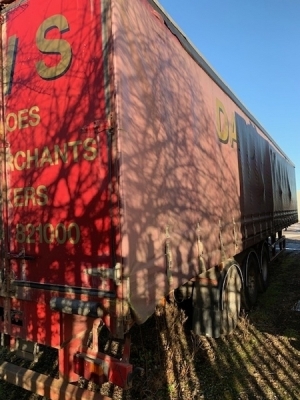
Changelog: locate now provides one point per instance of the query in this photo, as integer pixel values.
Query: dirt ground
(259, 360)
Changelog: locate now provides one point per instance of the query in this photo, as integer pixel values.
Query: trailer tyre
(251, 279)
(264, 268)
(231, 300)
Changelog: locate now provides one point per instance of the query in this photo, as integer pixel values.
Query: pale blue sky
(254, 45)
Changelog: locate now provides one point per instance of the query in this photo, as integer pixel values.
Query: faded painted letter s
(53, 46)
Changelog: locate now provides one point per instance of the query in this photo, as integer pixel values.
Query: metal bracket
(199, 242)
(118, 274)
(20, 256)
(107, 273)
(168, 254)
(221, 242)
(235, 235)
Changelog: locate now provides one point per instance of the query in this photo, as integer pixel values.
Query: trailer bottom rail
(51, 388)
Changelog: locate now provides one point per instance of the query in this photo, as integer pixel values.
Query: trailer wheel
(231, 299)
(264, 268)
(251, 279)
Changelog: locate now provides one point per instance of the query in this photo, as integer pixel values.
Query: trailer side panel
(181, 178)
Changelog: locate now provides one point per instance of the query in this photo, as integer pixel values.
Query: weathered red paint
(57, 169)
(56, 218)
(57, 153)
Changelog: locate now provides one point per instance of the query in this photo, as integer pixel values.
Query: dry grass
(249, 364)
(260, 360)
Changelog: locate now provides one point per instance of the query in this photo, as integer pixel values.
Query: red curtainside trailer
(129, 173)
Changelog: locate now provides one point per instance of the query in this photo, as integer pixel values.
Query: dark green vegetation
(260, 360)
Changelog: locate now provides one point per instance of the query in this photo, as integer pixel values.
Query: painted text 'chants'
(74, 151)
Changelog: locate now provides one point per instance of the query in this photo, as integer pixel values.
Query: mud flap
(206, 313)
(217, 300)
